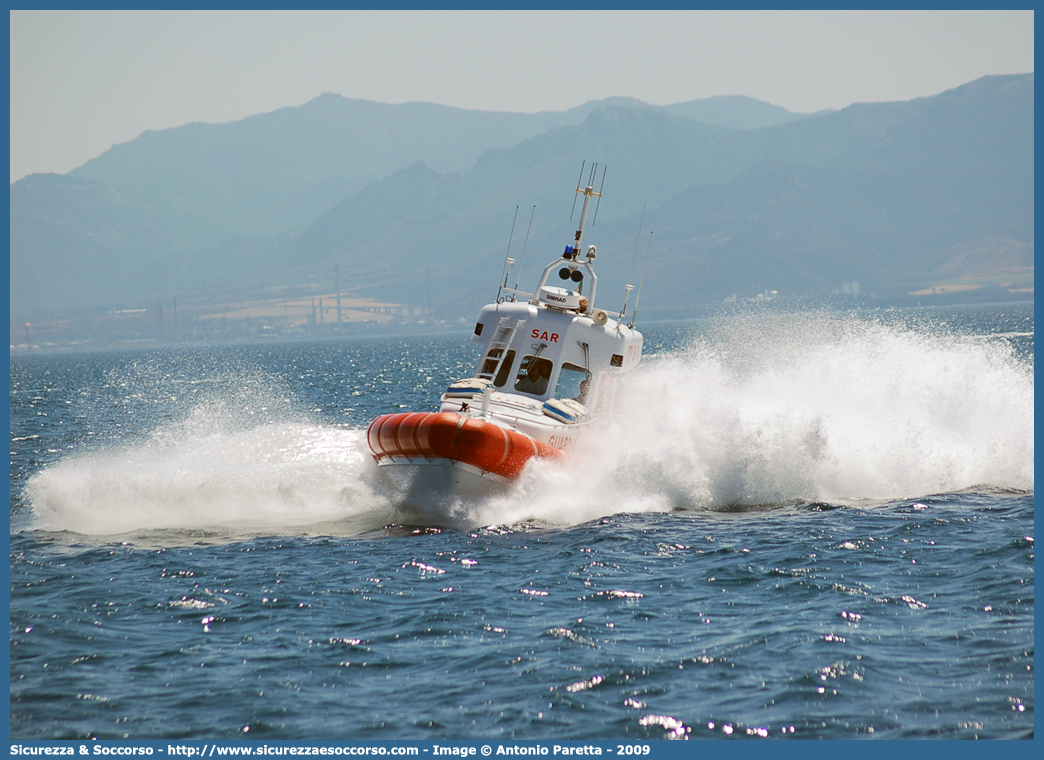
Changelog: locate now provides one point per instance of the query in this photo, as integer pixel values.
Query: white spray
(758, 409)
(770, 408)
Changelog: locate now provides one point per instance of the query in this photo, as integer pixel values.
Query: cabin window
(489, 366)
(533, 375)
(573, 382)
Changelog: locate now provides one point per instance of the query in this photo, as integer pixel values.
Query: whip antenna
(599, 204)
(634, 258)
(637, 240)
(578, 181)
(518, 276)
(638, 297)
(507, 256)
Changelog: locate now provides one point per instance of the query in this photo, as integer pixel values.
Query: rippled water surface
(803, 525)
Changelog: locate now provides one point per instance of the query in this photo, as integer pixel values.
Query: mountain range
(415, 203)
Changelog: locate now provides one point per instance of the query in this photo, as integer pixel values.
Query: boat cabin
(555, 344)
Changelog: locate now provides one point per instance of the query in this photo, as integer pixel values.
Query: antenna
(637, 240)
(638, 297)
(524, 246)
(634, 257)
(599, 204)
(578, 180)
(507, 255)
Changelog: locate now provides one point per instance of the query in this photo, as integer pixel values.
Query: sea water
(794, 524)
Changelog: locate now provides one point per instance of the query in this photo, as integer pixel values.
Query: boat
(547, 371)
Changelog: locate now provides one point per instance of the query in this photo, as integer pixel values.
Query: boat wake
(204, 474)
(757, 409)
(772, 409)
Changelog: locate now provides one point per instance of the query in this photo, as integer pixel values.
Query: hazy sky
(82, 81)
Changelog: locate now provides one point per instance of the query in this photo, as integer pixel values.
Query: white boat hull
(437, 491)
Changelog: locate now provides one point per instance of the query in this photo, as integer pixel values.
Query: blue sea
(794, 524)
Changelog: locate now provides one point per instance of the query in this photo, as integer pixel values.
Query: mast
(588, 193)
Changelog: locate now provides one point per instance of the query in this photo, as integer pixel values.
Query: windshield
(573, 382)
(533, 375)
